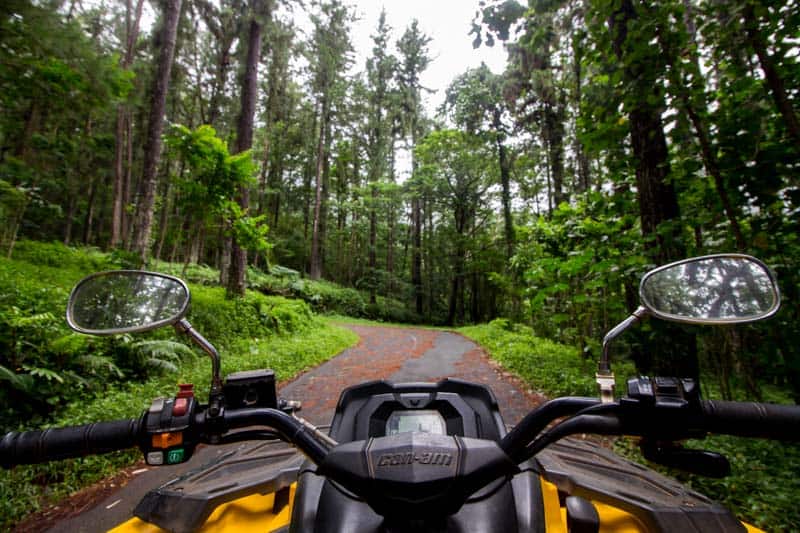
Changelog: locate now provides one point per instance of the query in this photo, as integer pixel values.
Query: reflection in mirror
(126, 301)
(711, 289)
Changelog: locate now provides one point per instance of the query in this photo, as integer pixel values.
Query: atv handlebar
(29, 447)
(751, 419)
(587, 415)
(292, 429)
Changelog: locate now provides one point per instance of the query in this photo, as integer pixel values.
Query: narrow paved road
(394, 354)
(405, 355)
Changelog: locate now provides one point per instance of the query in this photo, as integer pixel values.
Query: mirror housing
(126, 301)
(713, 289)
(133, 301)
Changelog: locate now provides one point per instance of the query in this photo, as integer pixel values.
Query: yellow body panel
(250, 514)
(612, 519)
(254, 514)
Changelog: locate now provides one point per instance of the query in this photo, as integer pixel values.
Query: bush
(254, 316)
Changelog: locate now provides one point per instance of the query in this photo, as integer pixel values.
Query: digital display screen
(421, 421)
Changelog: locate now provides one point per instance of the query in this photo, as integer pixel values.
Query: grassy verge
(549, 367)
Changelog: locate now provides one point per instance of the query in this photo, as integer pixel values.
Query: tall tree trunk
(244, 140)
(373, 243)
(89, 218)
(120, 139)
(554, 119)
(390, 222)
(71, 209)
(773, 79)
(580, 150)
(126, 223)
(119, 179)
(315, 264)
(152, 151)
(658, 202)
(505, 182)
(220, 75)
(416, 234)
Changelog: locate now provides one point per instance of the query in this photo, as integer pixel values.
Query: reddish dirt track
(388, 353)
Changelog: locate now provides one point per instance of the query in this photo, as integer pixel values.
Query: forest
(227, 136)
(621, 136)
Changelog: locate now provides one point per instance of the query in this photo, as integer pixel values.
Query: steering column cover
(416, 473)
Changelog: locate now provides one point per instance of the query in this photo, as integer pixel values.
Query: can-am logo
(399, 459)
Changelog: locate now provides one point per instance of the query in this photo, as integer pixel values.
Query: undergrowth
(322, 296)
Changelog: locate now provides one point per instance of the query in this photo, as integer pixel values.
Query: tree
(152, 150)
(414, 59)
(329, 56)
(641, 70)
(380, 72)
(122, 141)
(259, 9)
(457, 169)
(475, 99)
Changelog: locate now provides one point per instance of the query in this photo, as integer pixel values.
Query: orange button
(167, 440)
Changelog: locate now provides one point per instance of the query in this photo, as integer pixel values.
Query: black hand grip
(30, 447)
(750, 419)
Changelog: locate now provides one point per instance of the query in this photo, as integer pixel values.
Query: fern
(161, 364)
(21, 382)
(44, 373)
(161, 354)
(99, 364)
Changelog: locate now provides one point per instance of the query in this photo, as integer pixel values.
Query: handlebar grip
(751, 419)
(30, 447)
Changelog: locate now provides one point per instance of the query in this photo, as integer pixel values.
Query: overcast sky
(447, 22)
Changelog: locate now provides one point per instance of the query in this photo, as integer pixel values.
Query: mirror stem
(183, 326)
(604, 376)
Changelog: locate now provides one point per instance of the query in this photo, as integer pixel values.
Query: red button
(180, 407)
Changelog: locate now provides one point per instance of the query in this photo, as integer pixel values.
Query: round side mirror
(126, 301)
(714, 289)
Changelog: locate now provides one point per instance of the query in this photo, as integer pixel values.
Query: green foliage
(214, 177)
(576, 266)
(54, 82)
(551, 368)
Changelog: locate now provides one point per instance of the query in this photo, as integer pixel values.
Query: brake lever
(701, 462)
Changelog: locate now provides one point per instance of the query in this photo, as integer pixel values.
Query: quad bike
(426, 456)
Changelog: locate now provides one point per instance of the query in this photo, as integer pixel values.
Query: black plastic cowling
(30, 447)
